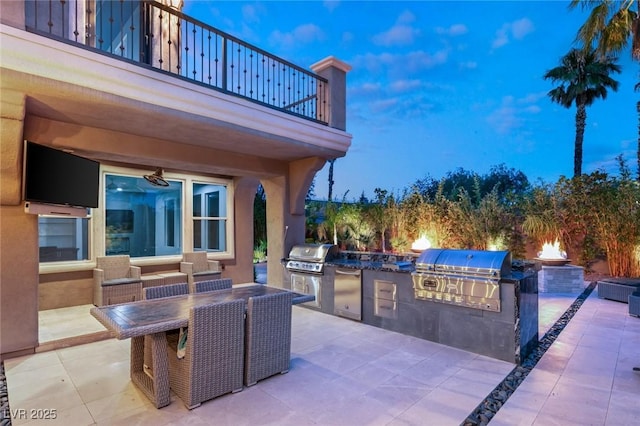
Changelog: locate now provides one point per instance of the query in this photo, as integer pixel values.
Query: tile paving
(347, 373)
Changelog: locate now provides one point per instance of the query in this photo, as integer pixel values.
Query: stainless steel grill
(461, 277)
(310, 258)
(304, 269)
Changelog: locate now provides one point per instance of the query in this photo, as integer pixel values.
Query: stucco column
(12, 13)
(276, 194)
(18, 240)
(18, 281)
(335, 71)
(244, 195)
(285, 197)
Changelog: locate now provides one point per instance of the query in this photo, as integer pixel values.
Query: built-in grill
(305, 269)
(461, 277)
(310, 258)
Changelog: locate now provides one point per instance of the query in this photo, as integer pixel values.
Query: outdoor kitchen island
(477, 301)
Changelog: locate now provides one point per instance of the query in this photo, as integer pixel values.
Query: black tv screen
(53, 176)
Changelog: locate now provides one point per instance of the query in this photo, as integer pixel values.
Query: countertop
(402, 267)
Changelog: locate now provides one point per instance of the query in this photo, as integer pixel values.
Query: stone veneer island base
(388, 301)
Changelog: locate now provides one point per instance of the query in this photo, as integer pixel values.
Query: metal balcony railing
(154, 35)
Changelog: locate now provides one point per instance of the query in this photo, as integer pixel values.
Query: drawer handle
(356, 273)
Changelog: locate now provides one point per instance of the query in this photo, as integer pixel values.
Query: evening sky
(441, 85)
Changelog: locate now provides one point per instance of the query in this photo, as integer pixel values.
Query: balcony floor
(344, 373)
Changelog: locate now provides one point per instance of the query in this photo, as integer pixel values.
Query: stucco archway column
(19, 237)
(244, 194)
(285, 198)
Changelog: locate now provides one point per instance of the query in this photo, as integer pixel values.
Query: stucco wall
(18, 280)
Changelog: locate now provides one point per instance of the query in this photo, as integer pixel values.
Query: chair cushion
(119, 281)
(203, 273)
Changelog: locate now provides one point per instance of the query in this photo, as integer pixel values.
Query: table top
(156, 315)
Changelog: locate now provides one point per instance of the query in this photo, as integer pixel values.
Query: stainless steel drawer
(385, 308)
(385, 299)
(385, 290)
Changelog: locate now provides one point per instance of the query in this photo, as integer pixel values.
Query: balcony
(152, 35)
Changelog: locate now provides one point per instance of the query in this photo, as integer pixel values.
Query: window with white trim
(141, 219)
(63, 239)
(209, 217)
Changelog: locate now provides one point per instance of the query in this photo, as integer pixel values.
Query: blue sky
(439, 85)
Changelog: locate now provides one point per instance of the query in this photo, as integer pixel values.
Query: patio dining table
(155, 317)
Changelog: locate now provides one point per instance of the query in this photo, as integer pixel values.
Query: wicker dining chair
(158, 291)
(267, 336)
(211, 285)
(213, 360)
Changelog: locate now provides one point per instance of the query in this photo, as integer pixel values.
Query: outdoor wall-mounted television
(52, 176)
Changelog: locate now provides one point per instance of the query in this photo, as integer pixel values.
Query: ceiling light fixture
(156, 179)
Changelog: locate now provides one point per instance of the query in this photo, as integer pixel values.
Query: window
(142, 220)
(63, 238)
(209, 217)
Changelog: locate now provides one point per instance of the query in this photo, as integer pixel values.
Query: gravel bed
(5, 416)
(485, 411)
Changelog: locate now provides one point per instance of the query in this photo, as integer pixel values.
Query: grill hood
(313, 252)
(465, 262)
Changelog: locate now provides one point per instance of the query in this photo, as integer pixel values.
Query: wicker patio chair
(211, 285)
(617, 289)
(115, 280)
(267, 336)
(213, 360)
(198, 267)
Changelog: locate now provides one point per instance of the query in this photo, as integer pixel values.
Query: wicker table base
(155, 383)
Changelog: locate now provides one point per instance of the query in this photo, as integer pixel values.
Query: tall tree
(583, 78)
(609, 27)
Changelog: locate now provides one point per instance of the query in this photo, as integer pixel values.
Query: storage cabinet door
(348, 293)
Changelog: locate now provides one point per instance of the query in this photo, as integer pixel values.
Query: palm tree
(331, 182)
(610, 26)
(584, 78)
